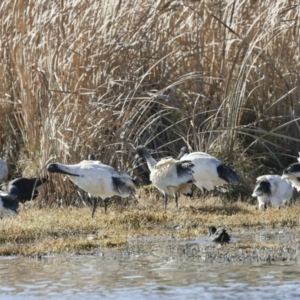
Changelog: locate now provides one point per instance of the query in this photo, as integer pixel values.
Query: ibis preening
(169, 176)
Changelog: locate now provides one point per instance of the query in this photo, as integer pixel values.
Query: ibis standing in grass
(272, 189)
(169, 176)
(97, 179)
(209, 172)
(8, 205)
(292, 173)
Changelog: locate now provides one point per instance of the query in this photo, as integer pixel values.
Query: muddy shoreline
(261, 246)
(249, 247)
(256, 236)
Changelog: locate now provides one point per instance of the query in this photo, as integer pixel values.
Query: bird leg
(95, 202)
(105, 204)
(166, 201)
(176, 200)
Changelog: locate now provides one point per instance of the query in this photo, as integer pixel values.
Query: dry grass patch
(39, 231)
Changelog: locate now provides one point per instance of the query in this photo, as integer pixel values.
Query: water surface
(149, 269)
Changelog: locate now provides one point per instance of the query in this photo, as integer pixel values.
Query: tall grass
(104, 76)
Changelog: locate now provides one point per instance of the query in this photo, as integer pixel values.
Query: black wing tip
(293, 168)
(120, 186)
(227, 174)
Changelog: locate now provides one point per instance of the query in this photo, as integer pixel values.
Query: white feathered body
(279, 190)
(3, 170)
(205, 170)
(165, 178)
(96, 178)
(294, 181)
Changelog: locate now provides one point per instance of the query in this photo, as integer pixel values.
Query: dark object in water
(219, 235)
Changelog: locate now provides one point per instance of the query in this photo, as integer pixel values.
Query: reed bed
(101, 77)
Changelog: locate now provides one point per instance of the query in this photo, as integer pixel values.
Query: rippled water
(153, 272)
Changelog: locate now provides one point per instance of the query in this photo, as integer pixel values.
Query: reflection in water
(156, 271)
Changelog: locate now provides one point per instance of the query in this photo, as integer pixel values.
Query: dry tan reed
(104, 76)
